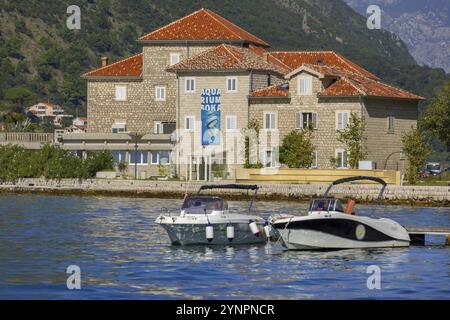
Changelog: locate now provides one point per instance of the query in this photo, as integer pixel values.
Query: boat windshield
(327, 204)
(198, 204)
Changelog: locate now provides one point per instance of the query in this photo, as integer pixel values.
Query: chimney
(104, 61)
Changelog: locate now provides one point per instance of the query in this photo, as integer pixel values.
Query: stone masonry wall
(233, 104)
(141, 110)
(393, 194)
(379, 141)
(325, 137)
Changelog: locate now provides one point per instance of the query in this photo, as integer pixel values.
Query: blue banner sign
(211, 117)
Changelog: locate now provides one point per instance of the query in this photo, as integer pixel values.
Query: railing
(26, 137)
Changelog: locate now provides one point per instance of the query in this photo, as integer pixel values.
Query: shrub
(416, 152)
(296, 151)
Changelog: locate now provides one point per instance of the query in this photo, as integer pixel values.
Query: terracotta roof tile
(129, 67)
(356, 85)
(277, 90)
(203, 25)
(226, 57)
(295, 59)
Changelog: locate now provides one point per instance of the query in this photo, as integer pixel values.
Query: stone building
(208, 78)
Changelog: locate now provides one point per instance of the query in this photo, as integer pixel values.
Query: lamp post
(136, 137)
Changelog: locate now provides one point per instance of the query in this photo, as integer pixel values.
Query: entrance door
(199, 169)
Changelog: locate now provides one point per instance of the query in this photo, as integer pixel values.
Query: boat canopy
(357, 178)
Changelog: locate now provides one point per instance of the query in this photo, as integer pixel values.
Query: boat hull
(340, 231)
(316, 240)
(195, 234)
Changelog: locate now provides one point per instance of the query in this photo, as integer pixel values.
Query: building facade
(203, 80)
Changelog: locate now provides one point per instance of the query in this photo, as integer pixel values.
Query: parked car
(433, 168)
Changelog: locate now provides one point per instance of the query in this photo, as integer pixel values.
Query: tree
(296, 151)
(436, 119)
(416, 152)
(20, 96)
(353, 138)
(97, 161)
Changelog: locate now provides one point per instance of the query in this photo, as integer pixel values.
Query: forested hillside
(42, 60)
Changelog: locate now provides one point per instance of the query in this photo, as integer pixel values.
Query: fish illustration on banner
(210, 117)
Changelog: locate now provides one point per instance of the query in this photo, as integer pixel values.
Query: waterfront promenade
(412, 195)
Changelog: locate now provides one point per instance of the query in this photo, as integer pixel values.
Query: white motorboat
(207, 219)
(329, 226)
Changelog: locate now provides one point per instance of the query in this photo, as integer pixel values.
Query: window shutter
(345, 120)
(339, 126)
(314, 120)
(298, 120)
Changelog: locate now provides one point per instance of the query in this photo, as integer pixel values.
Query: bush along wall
(50, 162)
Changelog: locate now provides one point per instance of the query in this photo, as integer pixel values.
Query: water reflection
(123, 254)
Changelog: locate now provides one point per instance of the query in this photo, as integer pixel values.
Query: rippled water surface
(124, 255)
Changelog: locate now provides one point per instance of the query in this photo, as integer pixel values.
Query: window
(160, 93)
(159, 127)
(270, 121)
(190, 85)
(342, 120)
(231, 84)
(305, 120)
(190, 123)
(341, 159)
(314, 163)
(139, 157)
(174, 58)
(231, 123)
(119, 127)
(305, 85)
(121, 93)
(161, 157)
(119, 156)
(391, 124)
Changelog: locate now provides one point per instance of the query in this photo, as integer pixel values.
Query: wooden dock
(418, 234)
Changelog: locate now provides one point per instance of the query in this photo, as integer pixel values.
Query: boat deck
(418, 234)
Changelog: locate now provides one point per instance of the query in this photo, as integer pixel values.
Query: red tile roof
(203, 25)
(276, 90)
(295, 59)
(129, 67)
(348, 84)
(226, 57)
(357, 85)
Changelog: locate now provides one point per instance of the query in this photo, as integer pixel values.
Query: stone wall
(379, 141)
(364, 193)
(325, 137)
(140, 111)
(232, 104)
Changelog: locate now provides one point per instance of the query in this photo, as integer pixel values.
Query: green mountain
(42, 60)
